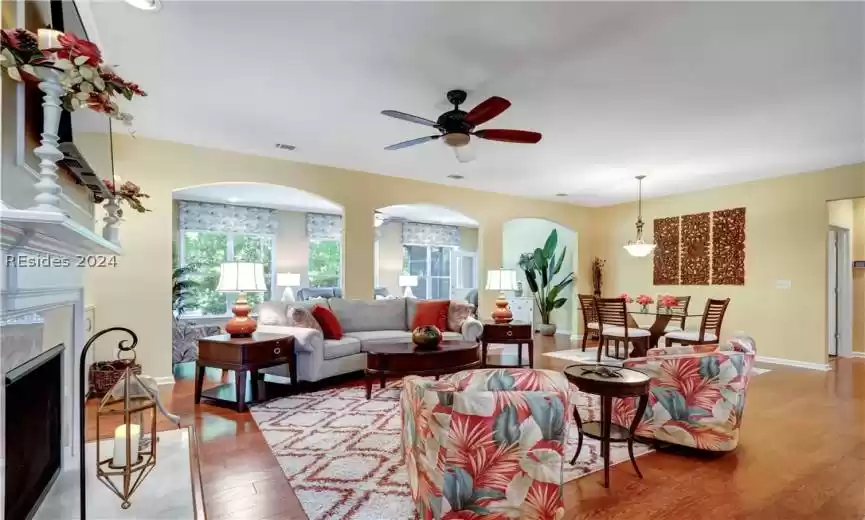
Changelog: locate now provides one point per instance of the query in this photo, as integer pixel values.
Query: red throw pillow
(330, 326)
(431, 312)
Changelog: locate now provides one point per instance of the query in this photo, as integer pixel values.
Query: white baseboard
(576, 337)
(857, 354)
(793, 363)
(563, 331)
(164, 381)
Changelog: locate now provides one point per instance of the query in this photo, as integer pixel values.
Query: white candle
(48, 39)
(120, 444)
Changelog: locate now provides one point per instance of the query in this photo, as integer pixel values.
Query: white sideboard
(523, 309)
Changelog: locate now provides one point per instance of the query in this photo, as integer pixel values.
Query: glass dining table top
(675, 314)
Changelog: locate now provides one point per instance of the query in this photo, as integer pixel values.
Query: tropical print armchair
(486, 444)
(696, 397)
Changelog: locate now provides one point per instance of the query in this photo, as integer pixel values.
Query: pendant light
(639, 248)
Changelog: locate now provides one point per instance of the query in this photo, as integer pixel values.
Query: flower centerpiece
(667, 302)
(84, 79)
(624, 296)
(129, 193)
(644, 300)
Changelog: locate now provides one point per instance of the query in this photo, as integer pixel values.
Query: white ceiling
(695, 94)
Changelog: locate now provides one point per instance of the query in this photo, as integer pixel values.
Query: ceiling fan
(457, 126)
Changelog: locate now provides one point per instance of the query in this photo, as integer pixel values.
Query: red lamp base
(241, 325)
(502, 314)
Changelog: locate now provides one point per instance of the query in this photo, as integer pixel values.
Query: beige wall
(858, 253)
(787, 222)
(137, 292)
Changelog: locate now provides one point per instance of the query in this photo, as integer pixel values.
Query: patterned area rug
(342, 455)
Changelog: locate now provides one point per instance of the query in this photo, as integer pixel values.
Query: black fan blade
(412, 142)
(410, 118)
(487, 110)
(510, 136)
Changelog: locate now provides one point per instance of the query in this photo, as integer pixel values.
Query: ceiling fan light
(145, 5)
(456, 139)
(639, 248)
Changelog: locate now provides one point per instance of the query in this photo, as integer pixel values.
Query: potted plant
(541, 268)
(181, 287)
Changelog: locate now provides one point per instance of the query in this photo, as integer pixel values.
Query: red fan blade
(487, 110)
(510, 136)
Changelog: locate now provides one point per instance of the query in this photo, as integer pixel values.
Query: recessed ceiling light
(233, 199)
(145, 5)
(561, 194)
(283, 146)
(456, 176)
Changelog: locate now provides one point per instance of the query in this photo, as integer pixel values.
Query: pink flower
(668, 301)
(74, 47)
(645, 299)
(624, 296)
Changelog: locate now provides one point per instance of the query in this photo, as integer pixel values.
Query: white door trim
(845, 291)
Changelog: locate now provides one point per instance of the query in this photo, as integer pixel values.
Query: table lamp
(241, 277)
(408, 281)
(289, 281)
(502, 280)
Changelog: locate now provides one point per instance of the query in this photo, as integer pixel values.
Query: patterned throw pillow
(301, 317)
(458, 312)
(271, 313)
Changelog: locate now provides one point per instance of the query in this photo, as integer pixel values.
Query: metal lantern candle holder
(134, 453)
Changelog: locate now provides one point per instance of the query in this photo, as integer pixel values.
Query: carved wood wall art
(700, 249)
(695, 249)
(666, 260)
(728, 247)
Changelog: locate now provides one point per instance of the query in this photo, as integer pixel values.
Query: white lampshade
(406, 280)
(287, 279)
(502, 280)
(241, 277)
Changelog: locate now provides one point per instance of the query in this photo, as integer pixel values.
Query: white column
(48, 153)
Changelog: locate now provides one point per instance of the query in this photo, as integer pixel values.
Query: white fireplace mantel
(50, 233)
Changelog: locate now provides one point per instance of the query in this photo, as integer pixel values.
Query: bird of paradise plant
(541, 267)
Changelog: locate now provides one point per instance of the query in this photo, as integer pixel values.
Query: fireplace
(33, 431)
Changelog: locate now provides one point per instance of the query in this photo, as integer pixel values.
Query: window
(208, 250)
(324, 263)
(432, 266)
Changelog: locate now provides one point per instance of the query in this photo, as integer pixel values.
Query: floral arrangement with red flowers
(645, 299)
(668, 301)
(129, 192)
(624, 296)
(86, 80)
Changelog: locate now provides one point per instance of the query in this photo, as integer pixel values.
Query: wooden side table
(261, 350)
(514, 333)
(628, 383)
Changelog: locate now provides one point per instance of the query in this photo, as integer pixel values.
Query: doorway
(839, 295)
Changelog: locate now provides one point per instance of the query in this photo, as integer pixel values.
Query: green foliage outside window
(208, 250)
(324, 263)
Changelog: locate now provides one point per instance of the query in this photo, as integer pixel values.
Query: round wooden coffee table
(626, 383)
(404, 359)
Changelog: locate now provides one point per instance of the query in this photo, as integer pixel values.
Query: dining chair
(590, 318)
(710, 326)
(612, 316)
(681, 307)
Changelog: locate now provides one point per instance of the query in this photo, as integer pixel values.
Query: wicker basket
(106, 374)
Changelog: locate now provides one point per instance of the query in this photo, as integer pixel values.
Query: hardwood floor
(801, 455)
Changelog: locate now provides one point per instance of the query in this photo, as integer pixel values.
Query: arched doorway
(295, 235)
(426, 251)
(524, 235)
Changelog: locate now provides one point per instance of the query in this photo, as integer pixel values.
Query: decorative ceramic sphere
(427, 336)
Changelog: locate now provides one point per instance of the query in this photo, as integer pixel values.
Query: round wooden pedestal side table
(625, 383)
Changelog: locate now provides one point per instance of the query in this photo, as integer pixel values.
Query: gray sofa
(364, 323)
(311, 293)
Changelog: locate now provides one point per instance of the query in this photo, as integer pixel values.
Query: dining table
(657, 328)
